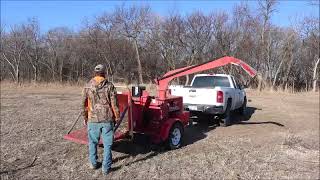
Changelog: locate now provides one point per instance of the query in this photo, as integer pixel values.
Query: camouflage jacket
(99, 100)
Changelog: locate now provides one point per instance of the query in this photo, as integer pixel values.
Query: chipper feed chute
(81, 136)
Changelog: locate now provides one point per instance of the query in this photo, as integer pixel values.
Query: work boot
(104, 173)
(94, 166)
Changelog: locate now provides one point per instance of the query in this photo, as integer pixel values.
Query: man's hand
(116, 121)
(85, 121)
(85, 117)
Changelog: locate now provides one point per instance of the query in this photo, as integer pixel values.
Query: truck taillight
(219, 97)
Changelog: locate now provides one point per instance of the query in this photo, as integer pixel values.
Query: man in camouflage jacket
(100, 110)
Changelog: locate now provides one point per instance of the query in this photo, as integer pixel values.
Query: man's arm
(114, 101)
(84, 104)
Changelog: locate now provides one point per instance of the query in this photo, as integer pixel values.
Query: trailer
(161, 117)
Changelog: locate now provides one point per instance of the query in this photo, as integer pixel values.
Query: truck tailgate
(190, 95)
(200, 96)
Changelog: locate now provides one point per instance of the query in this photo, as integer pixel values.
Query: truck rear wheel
(243, 108)
(226, 118)
(175, 136)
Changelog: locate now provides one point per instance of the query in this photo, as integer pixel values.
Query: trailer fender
(164, 132)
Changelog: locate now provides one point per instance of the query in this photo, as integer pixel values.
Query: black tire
(226, 118)
(243, 108)
(211, 120)
(190, 124)
(174, 140)
(202, 118)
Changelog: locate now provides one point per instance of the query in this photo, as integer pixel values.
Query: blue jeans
(94, 132)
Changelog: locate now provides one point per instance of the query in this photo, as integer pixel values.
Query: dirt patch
(279, 138)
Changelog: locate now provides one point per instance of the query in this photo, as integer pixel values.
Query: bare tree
(221, 34)
(168, 37)
(13, 47)
(58, 40)
(267, 7)
(311, 44)
(315, 77)
(285, 55)
(133, 23)
(197, 38)
(33, 49)
(314, 3)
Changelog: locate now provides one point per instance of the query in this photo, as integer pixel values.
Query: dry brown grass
(279, 139)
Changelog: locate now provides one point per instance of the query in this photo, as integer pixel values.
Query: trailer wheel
(227, 115)
(175, 136)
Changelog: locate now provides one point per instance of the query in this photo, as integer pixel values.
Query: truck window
(210, 81)
(238, 82)
(234, 83)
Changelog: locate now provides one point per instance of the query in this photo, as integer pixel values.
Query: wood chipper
(161, 117)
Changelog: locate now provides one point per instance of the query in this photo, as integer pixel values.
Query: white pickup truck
(212, 94)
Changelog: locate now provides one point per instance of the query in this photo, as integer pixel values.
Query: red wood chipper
(160, 117)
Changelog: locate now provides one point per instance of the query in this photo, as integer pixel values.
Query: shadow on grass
(264, 122)
(140, 148)
(198, 130)
(32, 164)
(149, 155)
(243, 120)
(249, 112)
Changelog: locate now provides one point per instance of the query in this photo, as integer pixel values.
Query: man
(100, 111)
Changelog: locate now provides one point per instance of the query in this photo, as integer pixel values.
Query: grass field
(278, 139)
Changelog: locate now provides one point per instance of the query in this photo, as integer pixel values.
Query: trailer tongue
(162, 118)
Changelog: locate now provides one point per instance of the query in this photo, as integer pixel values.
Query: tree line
(137, 46)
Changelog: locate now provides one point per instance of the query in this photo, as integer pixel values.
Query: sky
(71, 13)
